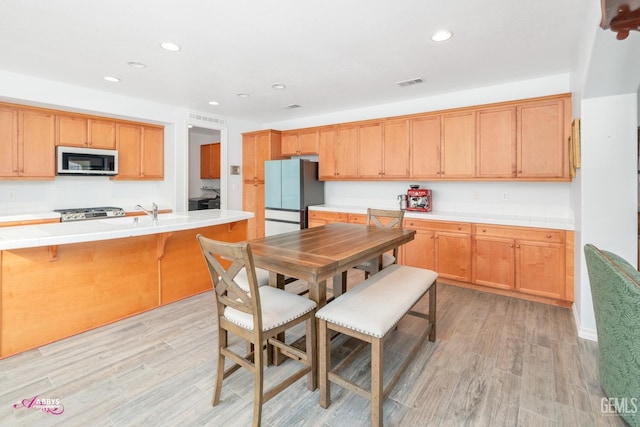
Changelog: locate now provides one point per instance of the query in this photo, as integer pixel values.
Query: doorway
(206, 190)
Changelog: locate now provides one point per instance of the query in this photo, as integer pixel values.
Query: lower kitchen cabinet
(441, 246)
(318, 218)
(253, 201)
(527, 260)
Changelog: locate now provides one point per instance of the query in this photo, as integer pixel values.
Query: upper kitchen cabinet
(80, 131)
(338, 152)
(542, 133)
(256, 148)
(140, 152)
(300, 142)
(210, 161)
(383, 150)
(496, 142)
(370, 151)
(425, 147)
(27, 143)
(458, 145)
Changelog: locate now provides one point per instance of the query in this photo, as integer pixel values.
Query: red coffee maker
(419, 199)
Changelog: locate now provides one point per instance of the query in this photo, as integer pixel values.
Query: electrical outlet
(505, 196)
(476, 195)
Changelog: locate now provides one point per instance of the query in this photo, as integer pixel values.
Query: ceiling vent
(410, 82)
(291, 106)
(202, 118)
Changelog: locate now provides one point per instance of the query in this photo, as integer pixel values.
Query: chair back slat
(228, 292)
(395, 218)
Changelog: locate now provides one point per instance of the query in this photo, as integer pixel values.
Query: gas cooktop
(82, 214)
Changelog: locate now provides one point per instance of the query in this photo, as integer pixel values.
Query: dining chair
(257, 316)
(387, 219)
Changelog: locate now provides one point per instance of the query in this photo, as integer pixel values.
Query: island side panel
(183, 271)
(86, 286)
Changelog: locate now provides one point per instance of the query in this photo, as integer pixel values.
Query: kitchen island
(60, 279)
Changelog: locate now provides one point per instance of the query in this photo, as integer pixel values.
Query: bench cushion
(377, 304)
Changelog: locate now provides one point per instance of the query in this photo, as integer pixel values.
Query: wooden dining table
(319, 253)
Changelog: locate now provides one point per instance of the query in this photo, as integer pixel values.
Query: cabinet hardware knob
(517, 246)
(519, 171)
(510, 246)
(484, 230)
(459, 228)
(548, 236)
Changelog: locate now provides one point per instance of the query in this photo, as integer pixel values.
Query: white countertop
(480, 218)
(27, 236)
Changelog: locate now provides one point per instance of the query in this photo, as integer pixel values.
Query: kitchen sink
(143, 220)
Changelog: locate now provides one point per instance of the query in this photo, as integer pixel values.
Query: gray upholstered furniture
(257, 316)
(369, 312)
(615, 289)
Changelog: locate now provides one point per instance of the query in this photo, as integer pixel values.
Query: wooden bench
(368, 312)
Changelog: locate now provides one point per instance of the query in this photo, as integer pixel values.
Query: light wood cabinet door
(540, 268)
(369, 155)
(327, 152)
(102, 134)
(256, 148)
(420, 252)
(129, 145)
(300, 142)
(140, 152)
(347, 154)
(395, 161)
(36, 142)
(78, 131)
(458, 145)
(493, 262)
(210, 161)
(453, 255)
(496, 143)
(253, 201)
(425, 151)
(152, 153)
(72, 131)
(8, 142)
(542, 139)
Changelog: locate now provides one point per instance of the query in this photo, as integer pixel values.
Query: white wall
(609, 184)
(65, 192)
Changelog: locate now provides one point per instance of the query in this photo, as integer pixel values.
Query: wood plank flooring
(497, 361)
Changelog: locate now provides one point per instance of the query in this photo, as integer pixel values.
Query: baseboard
(585, 333)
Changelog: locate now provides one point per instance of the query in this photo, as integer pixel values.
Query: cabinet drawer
(328, 216)
(462, 227)
(520, 233)
(357, 218)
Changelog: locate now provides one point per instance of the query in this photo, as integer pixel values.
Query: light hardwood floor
(497, 361)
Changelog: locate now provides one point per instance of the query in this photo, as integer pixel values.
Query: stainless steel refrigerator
(291, 186)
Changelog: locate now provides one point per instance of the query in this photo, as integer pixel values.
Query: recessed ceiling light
(112, 79)
(214, 103)
(278, 86)
(170, 46)
(441, 36)
(243, 95)
(136, 64)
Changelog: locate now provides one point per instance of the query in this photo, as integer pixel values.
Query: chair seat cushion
(278, 307)
(377, 304)
(261, 275)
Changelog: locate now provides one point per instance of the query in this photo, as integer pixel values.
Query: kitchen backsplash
(531, 199)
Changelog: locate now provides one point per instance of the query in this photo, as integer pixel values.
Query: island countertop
(29, 236)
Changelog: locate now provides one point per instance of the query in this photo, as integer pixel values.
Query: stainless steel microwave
(86, 161)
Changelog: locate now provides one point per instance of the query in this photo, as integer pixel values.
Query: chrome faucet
(153, 214)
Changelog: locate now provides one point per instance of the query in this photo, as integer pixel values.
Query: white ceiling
(331, 55)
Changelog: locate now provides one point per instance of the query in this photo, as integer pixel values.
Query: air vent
(291, 106)
(410, 82)
(197, 117)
